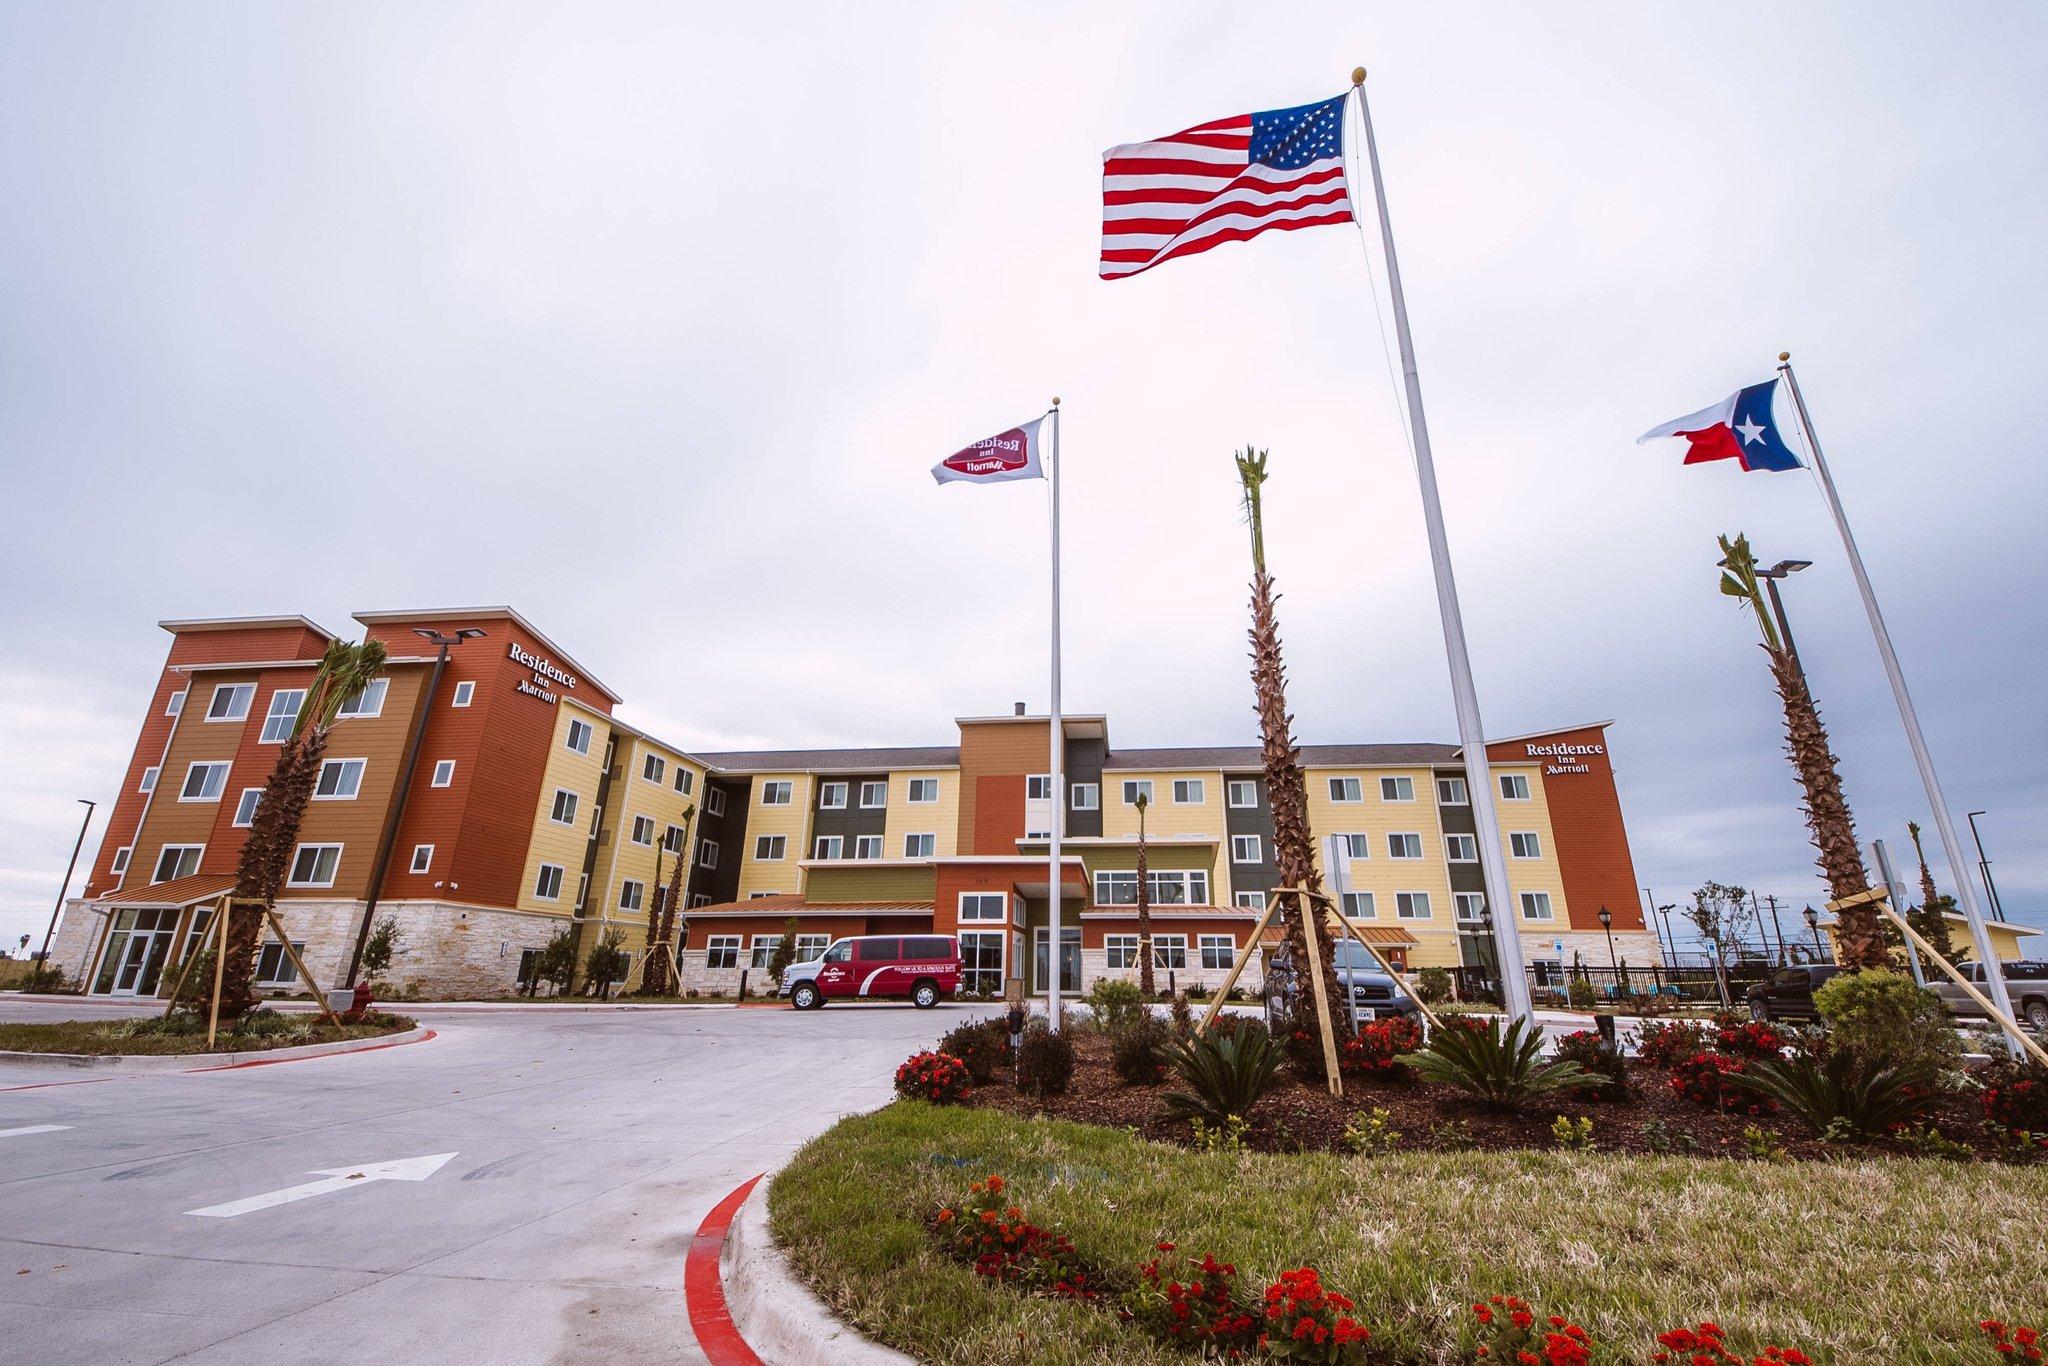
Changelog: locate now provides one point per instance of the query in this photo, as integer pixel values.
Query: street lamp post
(1492, 949)
(1813, 923)
(1665, 910)
(65, 886)
(382, 861)
(1984, 867)
(1613, 963)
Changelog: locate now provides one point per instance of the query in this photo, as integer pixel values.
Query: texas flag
(1739, 428)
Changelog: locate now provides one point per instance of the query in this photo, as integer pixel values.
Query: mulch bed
(1299, 1117)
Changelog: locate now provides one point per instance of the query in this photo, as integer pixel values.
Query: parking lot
(529, 1183)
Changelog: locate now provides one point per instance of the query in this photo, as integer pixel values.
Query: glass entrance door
(1070, 960)
(136, 953)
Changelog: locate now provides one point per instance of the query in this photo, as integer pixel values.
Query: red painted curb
(704, 1288)
(312, 1057)
(39, 1085)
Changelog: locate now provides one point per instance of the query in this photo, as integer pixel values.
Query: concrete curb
(129, 1064)
(397, 1007)
(777, 1314)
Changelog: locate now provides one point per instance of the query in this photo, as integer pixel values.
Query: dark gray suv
(1374, 992)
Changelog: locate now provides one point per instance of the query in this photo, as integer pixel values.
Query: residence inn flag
(1739, 428)
(997, 459)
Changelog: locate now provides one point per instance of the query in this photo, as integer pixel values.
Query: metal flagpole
(1055, 890)
(1471, 734)
(1966, 895)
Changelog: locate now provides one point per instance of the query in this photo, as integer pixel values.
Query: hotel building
(531, 808)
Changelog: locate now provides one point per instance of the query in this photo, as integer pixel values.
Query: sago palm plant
(1500, 1070)
(1225, 1073)
(1842, 1095)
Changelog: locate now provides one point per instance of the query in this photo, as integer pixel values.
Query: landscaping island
(185, 1033)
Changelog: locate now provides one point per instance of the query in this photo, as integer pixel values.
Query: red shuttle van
(919, 968)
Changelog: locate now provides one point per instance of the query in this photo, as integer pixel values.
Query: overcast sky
(650, 322)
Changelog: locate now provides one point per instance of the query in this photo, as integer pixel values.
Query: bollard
(1605, 1024)
(743, 984)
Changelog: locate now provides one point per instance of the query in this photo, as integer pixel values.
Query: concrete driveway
(584, 1147)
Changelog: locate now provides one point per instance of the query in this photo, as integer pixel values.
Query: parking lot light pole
(1613, 963)
(72, 867)
(1984, 867)
(1813, 924)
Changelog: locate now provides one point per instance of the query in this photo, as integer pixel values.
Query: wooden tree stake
(1381, 959)
(277, 928)
(1307, 910)
(220, 959)
(1237, 969)
(2005, 1022)
(185, 968)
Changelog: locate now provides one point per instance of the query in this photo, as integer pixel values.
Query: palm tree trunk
(265, 860)
(1146, 986)
(1859, 933)
(661, 926)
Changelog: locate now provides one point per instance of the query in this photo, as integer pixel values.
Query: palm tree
(1859, 932)
(1145, 985)
(661, 921)
(1293, 843)
(344, 672)
(1931, 920)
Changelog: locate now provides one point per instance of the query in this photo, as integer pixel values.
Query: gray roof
(832, 760)
(1226, 757)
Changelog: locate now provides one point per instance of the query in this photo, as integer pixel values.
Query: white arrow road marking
(32, 1129)
(338, 1179)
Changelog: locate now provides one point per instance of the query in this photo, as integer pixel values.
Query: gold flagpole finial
(1358, 75)
(1784, 355)
(1055, 400)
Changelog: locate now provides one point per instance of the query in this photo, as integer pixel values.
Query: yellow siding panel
(792, 821)
(1537, 874)
(940, 818)
(564, 845)
(1376, 818)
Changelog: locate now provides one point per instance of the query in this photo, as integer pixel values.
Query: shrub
(1045, 1061)
(1376, 1049)
(984, 1045)
(1196, 1307)
(1134, 1051)
(1500, 1070)
(993, 1236)
(1116, 1003)
(1740, 1038)
(937, 1077)
(1304, 1321)
(2013, 1341)
(1227, 1137)
(1885, 1017)
(1433, 985)
(1580, 994)
(1225, 1074)
(1703, 1345)
(1666, 1043)
(1508, 1331)
(1572, 1135)
(2015, 1100)
(1707, 1079)
(1373, 1135)
(1842, 1094)
(1599, 1059)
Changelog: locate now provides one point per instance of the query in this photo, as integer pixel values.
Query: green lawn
(154, 1036)
(1876, 1262)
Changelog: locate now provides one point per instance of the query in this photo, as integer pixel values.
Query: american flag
(1226, 181)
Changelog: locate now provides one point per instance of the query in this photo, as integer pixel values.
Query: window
(984, 906)
(643, 830)
(765, 891)
(444, 773)
(632, 895)
(282, 716)
(368, 702)
(175, 703)
(867, 846)
(465, 693)
(174, 861)
(1411, 905)
(339, 781)
(564, 812)
(1468, 906)
(707, 853)
(314, 865)
(829, 846)
(672, 839)
(422, 857)
(873, 795)
(722, 951)
(832, 796)
(274, 966)
(920, 846)
(1218, 951)
(1536, 906)
(684, 782)
(1514, 787)
(1120, 951)
(1524, 844)
(1404, 846)
(1170, 951)
(1346, 790)
(204, 783)
(1038, 787)
(777, 793)
(770, 848)
(582, 889)
(148, 783)
(1086, 797)
(981, 963)
(1251, 901)
(1245, 849)
(764, 949)
(578, 738)
(1242, 793)
(809, 946)
(120, 863)
(1359, 906)
(924, 790)
(1397, 789)
(1357, 846)
(1120, 888)
(245, 807)
(1451, 792)
(1135, 788)
(230, 701)
(699, 899)
(1189, 792)
(1461, 848)
(714, 801)
(547, 885)
(654, 768)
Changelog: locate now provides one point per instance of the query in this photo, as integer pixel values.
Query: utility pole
(1772, 902)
